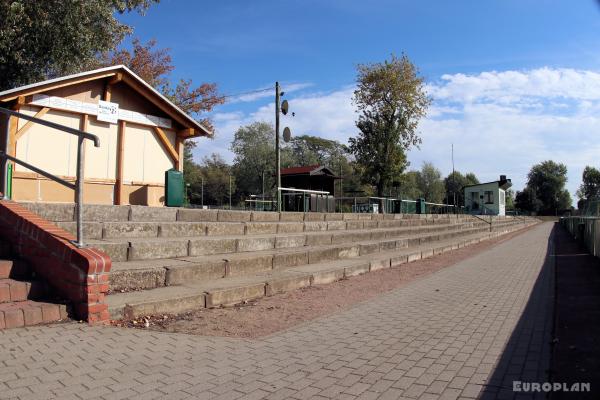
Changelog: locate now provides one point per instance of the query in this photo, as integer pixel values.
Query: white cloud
(499, 122)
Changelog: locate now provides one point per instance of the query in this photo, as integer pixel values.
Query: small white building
(487, 198)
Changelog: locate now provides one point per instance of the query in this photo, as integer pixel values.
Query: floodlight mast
(277, 154)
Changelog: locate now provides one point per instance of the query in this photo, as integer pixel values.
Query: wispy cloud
(499, 122)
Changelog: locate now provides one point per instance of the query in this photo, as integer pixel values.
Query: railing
(77, 187)
(259, 205)
(442, 208)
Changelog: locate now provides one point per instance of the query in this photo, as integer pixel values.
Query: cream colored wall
(100, 162)
(46, 148)
(35, 188)
(145, 160)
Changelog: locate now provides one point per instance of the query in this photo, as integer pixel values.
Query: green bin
(174, 188)
(421, 206)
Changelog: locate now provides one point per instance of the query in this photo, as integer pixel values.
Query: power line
(245, 93)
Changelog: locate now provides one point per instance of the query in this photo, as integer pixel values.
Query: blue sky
(513, 82)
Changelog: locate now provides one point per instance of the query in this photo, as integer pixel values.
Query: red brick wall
(78, 275)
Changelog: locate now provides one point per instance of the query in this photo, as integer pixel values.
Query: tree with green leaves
(454, 185)
(216, 174)
(509, 199)
(527, 200)
(409, 185)
(391, 100)
(545, 192)
(590, 184)
(45, 39)
(254, 149)
(430, 183)
(312, 150)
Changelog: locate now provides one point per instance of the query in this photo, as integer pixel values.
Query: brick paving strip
(443, 336)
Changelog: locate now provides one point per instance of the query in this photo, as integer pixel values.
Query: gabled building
(141, 133)
(487, 198)
(310, 177)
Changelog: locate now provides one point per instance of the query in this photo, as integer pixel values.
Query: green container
(421, 206)
(9, 176)
(174, 188)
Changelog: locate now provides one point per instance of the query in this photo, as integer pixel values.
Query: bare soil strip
(268, 315)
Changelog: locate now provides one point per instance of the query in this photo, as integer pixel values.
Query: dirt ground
(271, 314)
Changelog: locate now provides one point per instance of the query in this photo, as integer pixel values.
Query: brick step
(132, 249)
(26, 313)
(228, 291)
(127, 229)
(20, 290)
(147, 274)
(13, 269)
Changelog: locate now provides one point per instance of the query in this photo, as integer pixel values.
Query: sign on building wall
(108, 112)
(93, 109)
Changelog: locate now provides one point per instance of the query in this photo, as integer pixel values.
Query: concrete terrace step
(27, 313)
(127, 229)
(146, 274)
(65, 212)
(124, 249)
(232, 290)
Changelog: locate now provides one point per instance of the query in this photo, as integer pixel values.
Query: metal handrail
(78, 186)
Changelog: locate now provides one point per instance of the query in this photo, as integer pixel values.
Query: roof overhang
(118, 73)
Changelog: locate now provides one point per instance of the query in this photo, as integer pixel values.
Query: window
(489, 197)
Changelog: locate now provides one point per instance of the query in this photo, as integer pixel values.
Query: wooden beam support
(120, 153)
(186, 133)
(115, 79)
(14, 126)
(180, 151)
(164, 140)
(29, 124)
(107, 92)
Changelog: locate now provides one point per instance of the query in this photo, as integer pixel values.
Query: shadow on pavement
(557, 338)
(576, 355)
(526, 357)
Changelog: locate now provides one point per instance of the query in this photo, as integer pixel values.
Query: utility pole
(202, 192)
(341, 188)
(277, 155)
(230, 191)
(453, 181)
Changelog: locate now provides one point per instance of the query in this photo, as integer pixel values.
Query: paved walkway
(449, 335)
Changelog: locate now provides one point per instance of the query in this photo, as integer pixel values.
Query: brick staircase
(174, 260)
(24, 301)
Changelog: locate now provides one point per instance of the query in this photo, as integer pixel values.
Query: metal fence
(585, 229)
